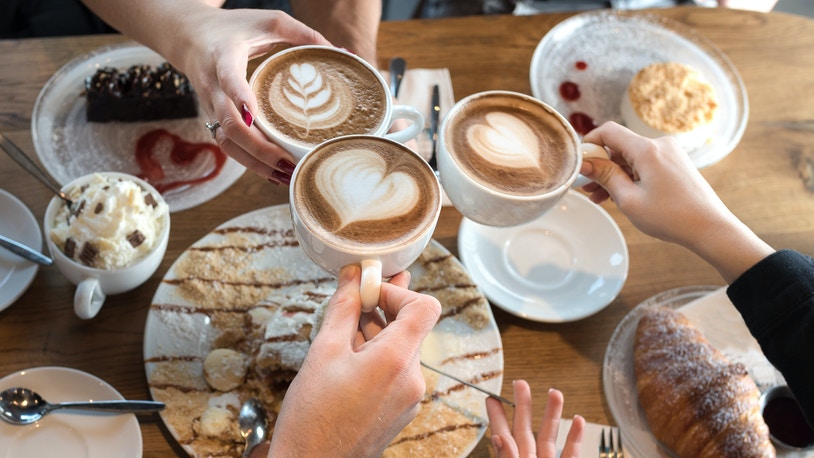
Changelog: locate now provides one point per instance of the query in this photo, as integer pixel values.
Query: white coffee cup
(502, 186)
(95, 284)
(353, 205)
(308, 97)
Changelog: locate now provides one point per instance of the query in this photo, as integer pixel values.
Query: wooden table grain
(767, 181)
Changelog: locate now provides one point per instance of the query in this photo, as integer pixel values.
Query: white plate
(64, 433)
(18, 223)
(564, 266)
(708, 308)
(615, 45)
(69, 146)
(258, 255)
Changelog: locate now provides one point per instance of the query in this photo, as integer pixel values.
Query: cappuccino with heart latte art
(510, 144)
(310, 95)
(366, 193)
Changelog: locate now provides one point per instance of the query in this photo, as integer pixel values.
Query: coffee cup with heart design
(311, 94)
(110, 240)
(364, 200)
(505, 158)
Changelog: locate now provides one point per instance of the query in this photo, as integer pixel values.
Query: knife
(435, 113)
(397, 68)
(25, 251)
(470, 385)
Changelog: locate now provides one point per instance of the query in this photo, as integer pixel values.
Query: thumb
(609, 175)
(344, 309)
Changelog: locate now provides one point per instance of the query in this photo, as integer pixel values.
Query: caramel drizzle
(167, 358)
(180, 281)
(435, 395)
(182, 388)
(476, 355)
(255, 230)
(460, 308)
(445, 429)
(249, 248)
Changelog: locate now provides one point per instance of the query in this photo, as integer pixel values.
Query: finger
(547, 437)
(501, 432)
(341, 322)
(573, 442)
(610, 176)
(372, 323)
(413, 315)
(521, 422)
(621, 140)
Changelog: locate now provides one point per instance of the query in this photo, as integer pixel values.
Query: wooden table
(767, 181)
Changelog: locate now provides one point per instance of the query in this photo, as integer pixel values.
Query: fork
(610, 450)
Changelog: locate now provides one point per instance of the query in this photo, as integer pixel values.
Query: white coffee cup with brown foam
(505, 158)
(311, 94)
(364, 200)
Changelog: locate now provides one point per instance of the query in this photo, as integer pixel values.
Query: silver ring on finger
(213, 127)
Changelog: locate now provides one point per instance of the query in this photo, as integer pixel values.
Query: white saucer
(18, 223)
(69, 434)
(564, 266)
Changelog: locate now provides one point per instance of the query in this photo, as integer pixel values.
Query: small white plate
(18, 223)
(69, 146)
(566, 265)
(64, 433)
(615, 45)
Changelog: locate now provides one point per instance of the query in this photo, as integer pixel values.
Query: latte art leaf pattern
(506, 140)
(312, 98)
(359, 187)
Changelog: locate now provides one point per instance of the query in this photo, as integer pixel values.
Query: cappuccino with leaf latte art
(310, 95)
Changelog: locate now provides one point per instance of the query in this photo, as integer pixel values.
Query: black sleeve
(776, 299)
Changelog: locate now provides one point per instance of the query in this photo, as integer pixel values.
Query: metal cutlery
(435, 113)
(25, 251)
(397, 68)
(610, 450)
(470, 385)
(31, 167)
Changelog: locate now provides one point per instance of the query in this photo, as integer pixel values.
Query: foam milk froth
(313, 95)
(365, 192)
(511, 145)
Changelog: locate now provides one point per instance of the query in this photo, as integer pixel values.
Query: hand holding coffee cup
(311, 94)
(364, 200)
(505, 158)
(110, 240)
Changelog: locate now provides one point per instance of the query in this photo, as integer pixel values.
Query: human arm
(213, 47)
(349, 24)
(357, 388)
(518, 440)
(656, 185)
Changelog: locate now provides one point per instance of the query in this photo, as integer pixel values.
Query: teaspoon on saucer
(21, 406)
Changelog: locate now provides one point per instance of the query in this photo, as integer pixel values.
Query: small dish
(564, 266)
(787, 425)
(68, 146)
(69, 434)
(16, 274)
(599, 52)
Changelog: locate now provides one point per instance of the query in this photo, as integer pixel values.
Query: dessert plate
(248, 286)
(601, 51)
(69, 146)
(564, 266)
(18, 223)
(64, 433)
(709, 309)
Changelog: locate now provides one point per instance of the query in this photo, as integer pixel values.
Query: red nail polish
(283, 178)
(247, 116)
(273, 181)
(286, 166)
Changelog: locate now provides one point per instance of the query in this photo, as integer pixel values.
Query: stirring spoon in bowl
(31, 167)
(21, 406)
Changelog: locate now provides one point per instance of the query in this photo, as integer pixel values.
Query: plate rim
(468, 226)
(26, 276)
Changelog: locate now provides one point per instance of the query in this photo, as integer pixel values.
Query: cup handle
(88, 299)
(371, 284)
(410, 132)
(589, 150)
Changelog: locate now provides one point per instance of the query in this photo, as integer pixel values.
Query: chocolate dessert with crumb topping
(141, 93)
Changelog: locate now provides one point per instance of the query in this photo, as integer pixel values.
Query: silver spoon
(31, 167)
(397, 68)
(253, 424)
(21, 406)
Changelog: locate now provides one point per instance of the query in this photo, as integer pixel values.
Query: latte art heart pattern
(506, 140)
(309, 98)
(358, 187)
